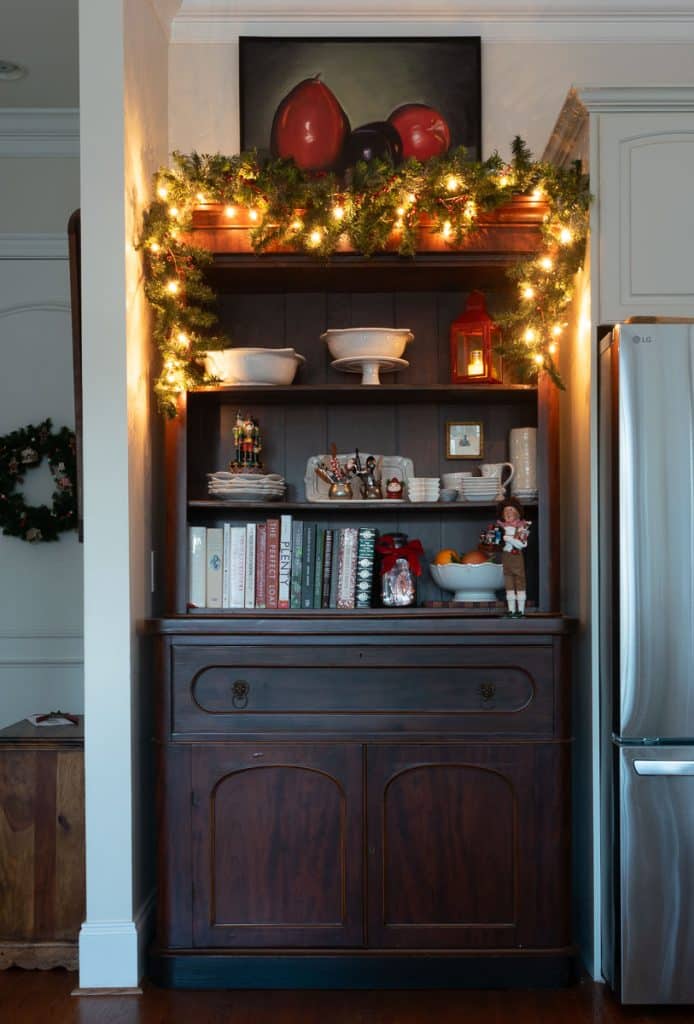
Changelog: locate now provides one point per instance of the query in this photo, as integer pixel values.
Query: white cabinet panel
(646, 215)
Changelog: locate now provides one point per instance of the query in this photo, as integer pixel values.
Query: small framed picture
(463, 440)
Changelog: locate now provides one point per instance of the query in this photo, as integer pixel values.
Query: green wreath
(25, 449)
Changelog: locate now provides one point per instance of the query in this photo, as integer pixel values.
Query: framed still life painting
(330, 102)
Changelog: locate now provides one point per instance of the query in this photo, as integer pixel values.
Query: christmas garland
(25, 449)
(311, 212)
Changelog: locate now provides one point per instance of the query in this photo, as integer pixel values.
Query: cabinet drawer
(407, 688)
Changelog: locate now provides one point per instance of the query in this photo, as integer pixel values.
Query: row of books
(281, 563)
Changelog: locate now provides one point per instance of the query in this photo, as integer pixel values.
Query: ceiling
(41, 35)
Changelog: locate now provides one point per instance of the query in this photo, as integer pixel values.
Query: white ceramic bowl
(454, 480)
(478, 582)
(253, 365)
(353, 342)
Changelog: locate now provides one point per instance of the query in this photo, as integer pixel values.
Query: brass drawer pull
(487, 692)
(239, 693)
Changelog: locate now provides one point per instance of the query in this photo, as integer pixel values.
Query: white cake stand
(369, 366)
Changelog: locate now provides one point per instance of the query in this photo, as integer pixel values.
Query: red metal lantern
(474, 336)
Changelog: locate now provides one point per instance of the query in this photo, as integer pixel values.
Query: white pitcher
(494, 471)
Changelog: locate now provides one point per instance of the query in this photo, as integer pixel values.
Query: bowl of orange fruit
(470, 576)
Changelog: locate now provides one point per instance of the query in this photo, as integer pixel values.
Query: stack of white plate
(481, 489)
(526, 495)
(246, 486)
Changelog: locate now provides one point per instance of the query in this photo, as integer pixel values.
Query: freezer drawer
(656, 830)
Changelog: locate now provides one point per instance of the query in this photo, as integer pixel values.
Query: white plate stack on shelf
(482, 490)
(246, 486)
(423, 488)
(522, 448)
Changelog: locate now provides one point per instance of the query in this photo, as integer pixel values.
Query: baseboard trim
(113, 953)
(416, 971)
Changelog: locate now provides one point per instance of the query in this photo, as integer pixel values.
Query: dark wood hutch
(388, 806)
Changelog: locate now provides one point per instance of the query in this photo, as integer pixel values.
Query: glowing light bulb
(154, 246)
(529, 336)
(565, 236)
(552, 348)
(528, 292)
(546, 263)
(411, 197)
(504, 181)
(452, 183)
(539, 359)
(162, 192)
(253, 214)
(200, 197)
(398, 224)
(446, 229)
(296, 225)
(229, 211)
(400, 211)
(172, 287)
(183, 338)
(173, 211)
(338, 212)
(315, 236)
(538, 193)
(556, 330)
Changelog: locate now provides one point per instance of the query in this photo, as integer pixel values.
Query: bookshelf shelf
(299, 394)
(358, 508)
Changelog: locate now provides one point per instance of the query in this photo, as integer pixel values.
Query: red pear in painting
(310, 126)
(423, 131)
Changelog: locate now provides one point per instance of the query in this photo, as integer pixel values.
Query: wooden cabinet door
(467, 846)
(277, 845)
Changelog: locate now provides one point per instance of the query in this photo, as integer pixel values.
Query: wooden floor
(38, 997)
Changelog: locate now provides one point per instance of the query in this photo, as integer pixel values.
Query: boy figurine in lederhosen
(514, 537)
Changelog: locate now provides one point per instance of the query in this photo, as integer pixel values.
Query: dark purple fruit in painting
(310, 126)
(376, 139)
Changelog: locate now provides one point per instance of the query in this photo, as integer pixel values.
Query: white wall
(41, 595)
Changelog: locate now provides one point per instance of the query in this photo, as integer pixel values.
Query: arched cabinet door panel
(463, 849)
(277, 845)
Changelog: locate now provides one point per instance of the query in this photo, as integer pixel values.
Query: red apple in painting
(310, 126)
(423, 131)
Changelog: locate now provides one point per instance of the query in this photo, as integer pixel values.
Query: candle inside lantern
(475, 368)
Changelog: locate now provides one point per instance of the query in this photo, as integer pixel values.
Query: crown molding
(39, 132)
(600, 21)
(33, 247)
(627, 99)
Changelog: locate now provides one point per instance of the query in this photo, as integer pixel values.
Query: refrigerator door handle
(664, 767)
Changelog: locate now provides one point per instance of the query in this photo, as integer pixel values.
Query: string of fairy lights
(374, 206)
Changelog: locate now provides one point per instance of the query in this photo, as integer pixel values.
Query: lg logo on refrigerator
(637, 339)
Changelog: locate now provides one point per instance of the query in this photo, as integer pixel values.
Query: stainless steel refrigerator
(646, 543)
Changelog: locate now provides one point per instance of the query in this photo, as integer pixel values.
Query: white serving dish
(255, 366)
(393, 465)
(358, 342)
(476, 582)
(370, 367)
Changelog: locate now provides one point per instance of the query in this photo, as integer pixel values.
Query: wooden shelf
(377, 507)
(357, 394)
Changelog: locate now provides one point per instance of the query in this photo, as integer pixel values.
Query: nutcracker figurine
(513, 531)
(247, 445)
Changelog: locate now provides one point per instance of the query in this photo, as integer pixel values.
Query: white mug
(494, 470)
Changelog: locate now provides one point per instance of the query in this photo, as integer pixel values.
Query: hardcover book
(308, 565)
(237, 568)
(273, 563)
(260, 565)
(327, 569)
(249, 590)
(285, 561)
(347, 567)
(297, 553)
(197, 584)
(214, 558)
(366, 547)
(318, 569)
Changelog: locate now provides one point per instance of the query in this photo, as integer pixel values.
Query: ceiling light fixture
(9, 70)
